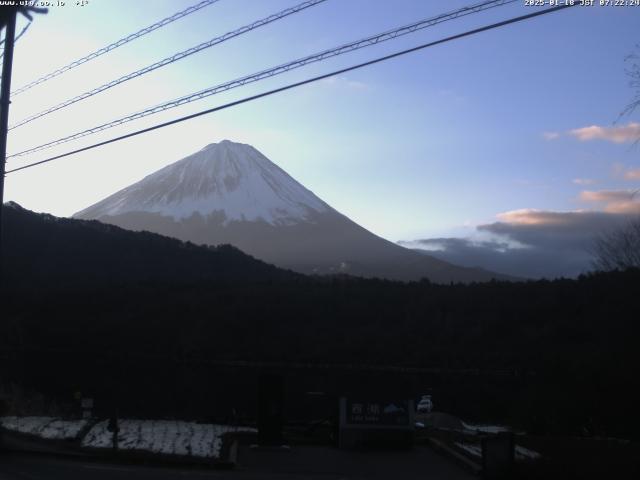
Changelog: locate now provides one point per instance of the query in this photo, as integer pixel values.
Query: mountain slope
(231, 193)
(226, 178)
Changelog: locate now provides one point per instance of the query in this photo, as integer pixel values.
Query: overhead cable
(173, 58)
(537, 13)
(317, 57)
(114, 45)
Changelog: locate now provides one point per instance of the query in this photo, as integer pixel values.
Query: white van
(425, 405)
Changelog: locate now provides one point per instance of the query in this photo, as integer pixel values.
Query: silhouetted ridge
(59, 252)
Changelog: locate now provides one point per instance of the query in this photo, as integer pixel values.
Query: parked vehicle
(425, 405)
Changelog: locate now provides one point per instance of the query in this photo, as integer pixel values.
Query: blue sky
(430, 145)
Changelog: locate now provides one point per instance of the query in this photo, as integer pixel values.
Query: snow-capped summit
(230, 193)
(230, 179)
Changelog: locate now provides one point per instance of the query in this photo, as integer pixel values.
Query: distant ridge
(44, 252)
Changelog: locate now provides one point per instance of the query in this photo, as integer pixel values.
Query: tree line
(141, 318)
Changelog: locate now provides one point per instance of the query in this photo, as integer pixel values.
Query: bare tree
(633, 72)
(618, 249)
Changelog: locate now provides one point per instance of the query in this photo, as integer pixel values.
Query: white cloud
(629, 207)
(632, 174)
(607, 196)
(622, 134)
(532, 216)
(583, 181)
(616, 201)
(550, 135)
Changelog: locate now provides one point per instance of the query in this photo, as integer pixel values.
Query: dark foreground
(299, 462)
(156, 328)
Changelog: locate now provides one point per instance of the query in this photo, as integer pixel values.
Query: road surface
(312, 463)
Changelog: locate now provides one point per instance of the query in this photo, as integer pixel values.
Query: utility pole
(5, 91)
(8, 22)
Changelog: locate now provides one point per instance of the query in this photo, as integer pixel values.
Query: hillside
(43, 250)
(152, 324)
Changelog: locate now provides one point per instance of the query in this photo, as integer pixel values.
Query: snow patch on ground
(163, 436)
(521, 453)
(486, 428)
(472, 449)
(51, 428)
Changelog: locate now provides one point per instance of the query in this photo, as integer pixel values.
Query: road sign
(375, 421)
(385, 413)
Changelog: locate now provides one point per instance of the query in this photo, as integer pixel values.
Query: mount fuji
(230, 193)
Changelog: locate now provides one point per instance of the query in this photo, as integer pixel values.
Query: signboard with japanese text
(374, 421)
(381, 413)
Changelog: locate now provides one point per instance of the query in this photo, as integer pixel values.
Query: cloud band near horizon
(535, 243)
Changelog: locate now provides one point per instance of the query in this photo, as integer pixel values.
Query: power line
(317, 57)
(116, 44)
(173, 58)
(22, 32)
(298, 84)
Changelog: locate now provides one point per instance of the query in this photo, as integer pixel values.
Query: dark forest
(147, 323)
